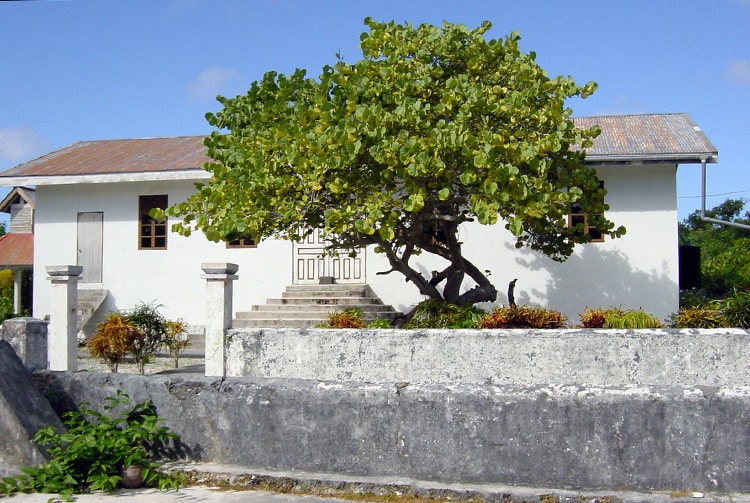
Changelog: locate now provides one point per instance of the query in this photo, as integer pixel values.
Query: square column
(62, 345)
(219, 280)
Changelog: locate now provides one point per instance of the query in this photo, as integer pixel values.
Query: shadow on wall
(593, 277)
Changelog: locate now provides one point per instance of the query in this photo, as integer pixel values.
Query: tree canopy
(434, 127)
(725, 250)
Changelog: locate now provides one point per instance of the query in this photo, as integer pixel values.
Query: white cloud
(738, 72)
(20, 144)
(210, 83)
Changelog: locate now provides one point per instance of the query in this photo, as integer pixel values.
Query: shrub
(96, 447)
(736, 309)
(175, 339)
(433, 313)
(349, 318)
(707, 316)
(522, 317)
(153, 326)
(113, 339)
(617, 317)
(380, 323)
(593, 318)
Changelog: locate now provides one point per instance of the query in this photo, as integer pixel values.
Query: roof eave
(694, 158)
(152, 176)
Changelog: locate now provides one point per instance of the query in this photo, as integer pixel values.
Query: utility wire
(715, 195)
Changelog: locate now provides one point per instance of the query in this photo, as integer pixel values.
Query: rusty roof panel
(654, 137)
(118, 156)
(16, 250)
(649, 135)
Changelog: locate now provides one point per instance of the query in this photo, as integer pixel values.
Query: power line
(715, 195)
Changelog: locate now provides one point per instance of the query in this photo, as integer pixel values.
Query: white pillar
(62, 344)
(219, 277)
(17, 280)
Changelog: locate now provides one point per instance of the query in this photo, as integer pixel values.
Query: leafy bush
(593, 318)
(96, 447)
(522, 317)
(113, 339)
(349, 318)
(434, 313)
(379, 323)
(706, 316)
(153, 326)
(736, 309)
(175, 339)
(615, 317)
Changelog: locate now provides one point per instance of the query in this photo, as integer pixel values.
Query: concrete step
(318, 291)
(304, 306)
(301, 315)
(317, 307)
(322, 301)
(90, 297)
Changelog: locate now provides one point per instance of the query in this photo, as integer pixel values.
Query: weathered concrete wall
(23, 411)
(520, 357)
(583, 436)
(28, 337)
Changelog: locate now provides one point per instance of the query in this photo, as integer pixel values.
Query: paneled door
(310, 264)
(90, 241)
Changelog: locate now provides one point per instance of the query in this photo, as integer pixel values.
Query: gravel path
(160, 363)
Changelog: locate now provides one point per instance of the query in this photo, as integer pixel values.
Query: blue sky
(73, 70)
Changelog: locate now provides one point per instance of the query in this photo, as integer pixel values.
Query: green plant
(96, 447)
(432, 313)
(113, 339)
(522, 317)
(617, 317)
(736, 309)
(706, 316)
(349, 318)
(176, 339)
(379, 323)
(153, 326)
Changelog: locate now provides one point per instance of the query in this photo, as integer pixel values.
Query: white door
(90, 232)
(310, 264)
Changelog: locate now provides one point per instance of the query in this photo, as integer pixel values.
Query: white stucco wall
(169, 277)
(638, 270)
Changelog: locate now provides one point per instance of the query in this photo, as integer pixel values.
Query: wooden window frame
(580, 216)
(152, 233)
(244, 242)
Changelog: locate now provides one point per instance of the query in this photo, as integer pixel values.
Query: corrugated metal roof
(648, 136)
(16, 250)
(118, 156)
(624, 137)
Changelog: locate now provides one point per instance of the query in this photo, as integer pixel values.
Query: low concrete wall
(581, 437)
(23, 411)
(519, 357)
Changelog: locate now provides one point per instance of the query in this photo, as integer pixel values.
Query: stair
(304, 306)
(90, 297)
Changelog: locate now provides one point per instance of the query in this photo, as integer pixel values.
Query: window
(152, 233)
(579, 216)
(246, 242)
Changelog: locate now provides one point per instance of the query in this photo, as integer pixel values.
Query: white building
(91, 198)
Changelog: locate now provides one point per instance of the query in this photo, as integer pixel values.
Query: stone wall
(518, 357)
(579, 436)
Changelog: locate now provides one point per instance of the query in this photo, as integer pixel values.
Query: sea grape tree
(433, 128)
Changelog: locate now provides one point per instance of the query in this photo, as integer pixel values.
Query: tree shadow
(595, 277)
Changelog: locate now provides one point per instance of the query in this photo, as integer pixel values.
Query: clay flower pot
(132, 477)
